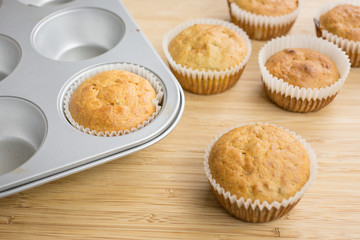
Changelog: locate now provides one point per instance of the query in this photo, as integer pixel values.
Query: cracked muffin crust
(112, 101)
(259, 162)
(208, 47)
(267, 7)
(305, 68)
(343, 21)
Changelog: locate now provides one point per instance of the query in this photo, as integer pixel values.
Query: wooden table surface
(162, 191)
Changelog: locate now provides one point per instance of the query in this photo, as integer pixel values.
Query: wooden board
(162, 192)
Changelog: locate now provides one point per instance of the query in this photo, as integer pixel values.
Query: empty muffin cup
(41, 3)
(132, 68)
(9, 57)
(78, 34)
(23, 130)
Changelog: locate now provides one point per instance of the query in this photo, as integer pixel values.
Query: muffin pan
(45, 44)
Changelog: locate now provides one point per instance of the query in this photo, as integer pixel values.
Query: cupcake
(264, 19)
(339, 23)
(207, 56)
(114, 101)
(302, 73)
(259, 172)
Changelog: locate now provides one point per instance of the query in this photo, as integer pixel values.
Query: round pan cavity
(23, 130)
(78, 34)
(9, 57)
(41, 3)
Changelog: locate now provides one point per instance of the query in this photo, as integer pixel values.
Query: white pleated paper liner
(268, 23)
(237, 203)
(136, 69)
(329, 49)
(201, 74)
(350, 46)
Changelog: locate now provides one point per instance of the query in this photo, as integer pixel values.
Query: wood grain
(162, 191)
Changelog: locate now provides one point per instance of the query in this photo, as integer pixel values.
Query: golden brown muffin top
(267, 7)
(342, 20)
(208, 47)
(112, 101)
(303, 68)
(259, 162)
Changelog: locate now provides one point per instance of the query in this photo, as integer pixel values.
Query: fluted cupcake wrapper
(262, 27)
(352, 48)
(200, 81)
(136, 69)
(294, 98)
(254, 211)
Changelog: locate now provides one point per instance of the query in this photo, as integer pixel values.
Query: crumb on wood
(277, 232)
(10, 219)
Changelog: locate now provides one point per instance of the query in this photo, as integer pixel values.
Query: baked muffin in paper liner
(133, 68)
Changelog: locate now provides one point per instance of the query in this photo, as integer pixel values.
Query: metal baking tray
(43, 47)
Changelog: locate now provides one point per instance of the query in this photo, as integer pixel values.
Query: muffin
(302, 73)
(343, 21)
(207, 56)
(264, 19)
(267, 7)
(208, 47)
(111, 100)
(340, 24)
(259, 172)
(303, 68)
